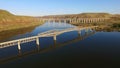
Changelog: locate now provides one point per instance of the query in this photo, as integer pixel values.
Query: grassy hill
(10, 21)
(82, 15)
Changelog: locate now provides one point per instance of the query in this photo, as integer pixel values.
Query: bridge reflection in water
(39, 50)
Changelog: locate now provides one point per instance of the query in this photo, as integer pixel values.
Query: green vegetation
(116, 25)
(9, 21)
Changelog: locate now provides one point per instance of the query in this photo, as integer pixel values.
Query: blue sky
(53, 7)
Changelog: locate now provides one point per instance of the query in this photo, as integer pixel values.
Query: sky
(57, 7)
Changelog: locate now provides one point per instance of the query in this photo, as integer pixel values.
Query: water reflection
(38, 49)
(32, 31)
(5, 36)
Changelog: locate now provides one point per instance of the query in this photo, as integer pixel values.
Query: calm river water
(71, 49)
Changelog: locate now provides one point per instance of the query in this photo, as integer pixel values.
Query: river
(70, 50)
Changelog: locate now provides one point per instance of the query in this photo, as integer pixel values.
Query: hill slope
(9, 21)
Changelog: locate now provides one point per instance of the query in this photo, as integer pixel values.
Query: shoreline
(20, 26)
(102, 26)
(10, 33)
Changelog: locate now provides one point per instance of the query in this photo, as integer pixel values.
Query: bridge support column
(55, 43)
(37, 41)
(55, 38)
(90, 30)
(38, 47)
(86, 30)
(19, 47)
(79, 33)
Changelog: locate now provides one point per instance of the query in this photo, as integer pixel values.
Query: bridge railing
(15, 42)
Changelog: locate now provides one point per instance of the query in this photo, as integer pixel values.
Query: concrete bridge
(53, 33)
(75, 20)
(43, 50)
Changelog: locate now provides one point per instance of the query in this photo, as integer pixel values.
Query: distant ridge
(82, 15)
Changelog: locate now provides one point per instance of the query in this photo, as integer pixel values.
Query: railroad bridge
(75, 20)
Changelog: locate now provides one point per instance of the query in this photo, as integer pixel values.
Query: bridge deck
(50, 33)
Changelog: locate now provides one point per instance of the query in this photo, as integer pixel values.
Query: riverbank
(4, 35)
(102, 26)
(14, 26)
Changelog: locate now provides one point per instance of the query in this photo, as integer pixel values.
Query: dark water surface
(96, 49)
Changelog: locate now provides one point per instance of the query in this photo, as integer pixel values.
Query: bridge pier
(79, 33)
(37, 41)
(19, 53)
(38, 47)
(19, 47)
(55, 38)
(86, 30)
(55, 43)
(90, 30)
